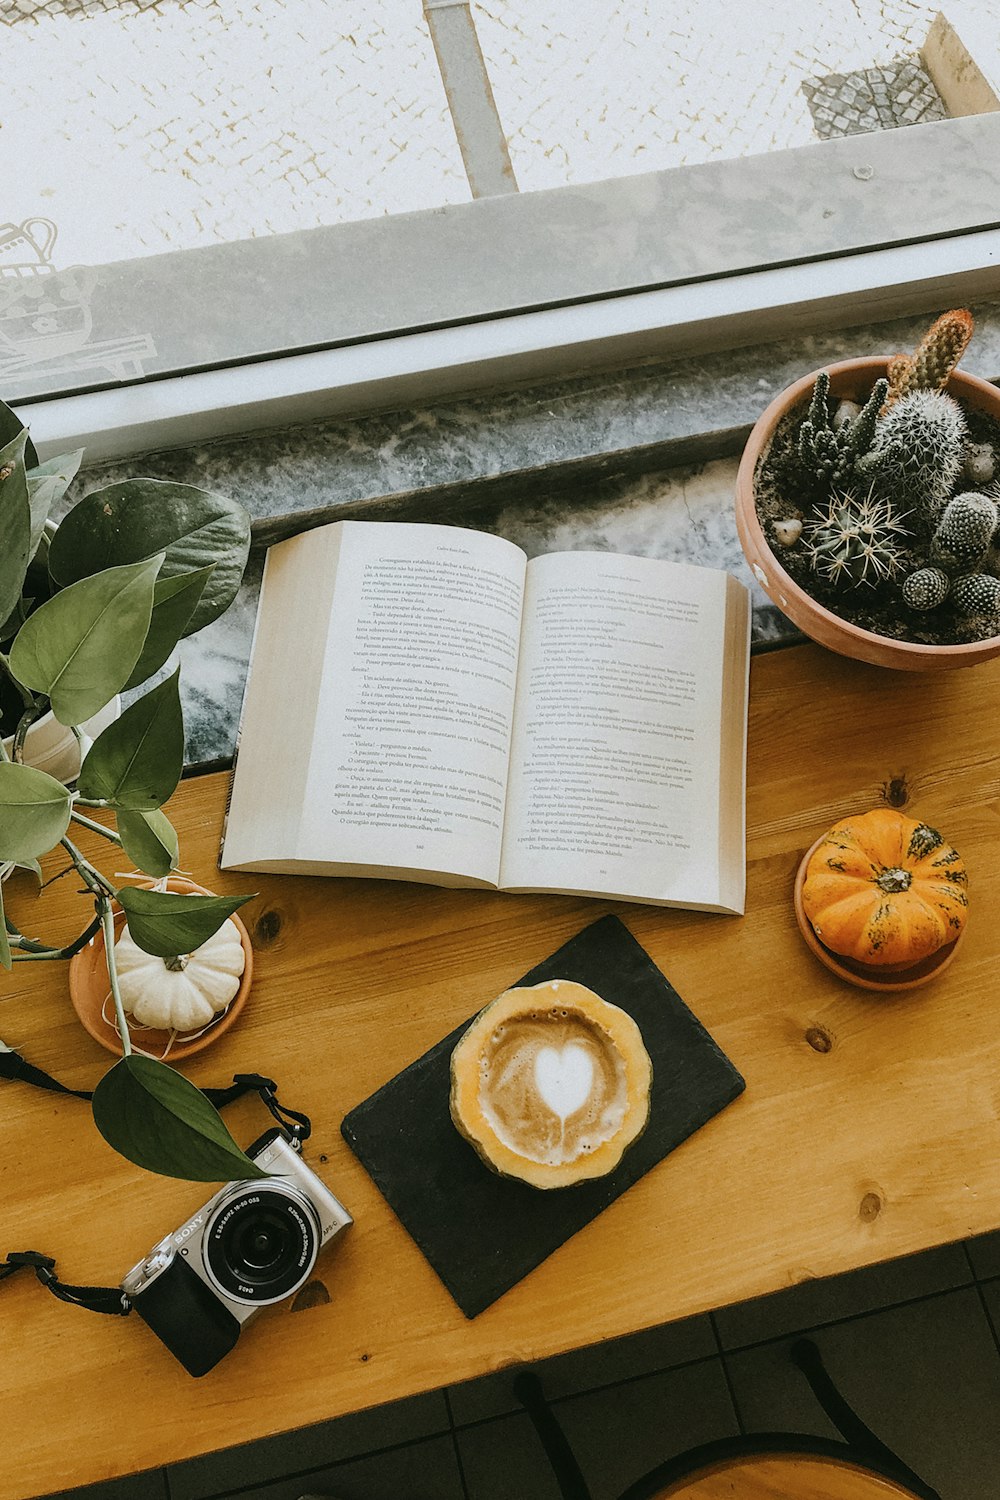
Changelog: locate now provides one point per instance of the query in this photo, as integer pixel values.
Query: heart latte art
(551, 1084)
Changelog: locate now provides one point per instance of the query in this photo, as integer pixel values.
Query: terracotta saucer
(89, 988)
(886, 980)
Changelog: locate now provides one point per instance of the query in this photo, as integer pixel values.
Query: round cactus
(926, 588)
(855, 541)
(920, 443)
(963, 534)
(977, 594)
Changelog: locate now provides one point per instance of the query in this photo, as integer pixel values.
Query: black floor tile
(420, 1471)
(149, 1485)
(586, 1369)
(322, 1444)
(830, 1298)
(925, 1377)
(617, 1434)
(984, 1252)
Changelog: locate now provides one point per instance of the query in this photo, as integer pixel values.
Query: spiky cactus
(926, 588)
(977, 594)
(920, 448)
(964, 532)
(829, 448)
(937, 354)
(856, 542)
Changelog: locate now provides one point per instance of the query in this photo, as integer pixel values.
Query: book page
(409, 761)
(616, 758)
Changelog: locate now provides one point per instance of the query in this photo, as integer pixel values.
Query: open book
(426, 704)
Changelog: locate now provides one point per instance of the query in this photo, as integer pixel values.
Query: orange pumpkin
(884, 890)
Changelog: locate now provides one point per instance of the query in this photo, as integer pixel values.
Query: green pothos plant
(86, 612)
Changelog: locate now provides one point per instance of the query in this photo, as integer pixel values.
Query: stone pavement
(138, 126)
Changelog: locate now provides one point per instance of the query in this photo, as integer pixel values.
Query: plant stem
(108, 923)
(94, 826)
(93, 878)
(32, 952)
(30, 715)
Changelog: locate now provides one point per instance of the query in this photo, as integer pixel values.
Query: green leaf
(32, 866)
(47, 483)
(153, 1116)
(137, 761)
(11, 426)
(167, 923)
(15, 524)
(81, 646)
(125, 523)
(5, 956)
(149, 841)
(34, 811)
(174, 601)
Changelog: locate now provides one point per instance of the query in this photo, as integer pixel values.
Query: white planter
(49, 746)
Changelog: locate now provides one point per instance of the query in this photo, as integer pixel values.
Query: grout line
(724, 1362)
(317, 1468)
(587, 1390)
(988, 1316)
(454, 1443)
(800, 1332)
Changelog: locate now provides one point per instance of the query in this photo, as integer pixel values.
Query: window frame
(503, 290)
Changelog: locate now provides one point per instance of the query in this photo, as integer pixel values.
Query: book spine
(243, 707)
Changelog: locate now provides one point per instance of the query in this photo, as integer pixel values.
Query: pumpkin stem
(178, 964)
(893, 881)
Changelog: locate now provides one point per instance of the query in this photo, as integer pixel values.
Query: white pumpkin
(184, 993)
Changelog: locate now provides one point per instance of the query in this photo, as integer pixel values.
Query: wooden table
(869, 1128)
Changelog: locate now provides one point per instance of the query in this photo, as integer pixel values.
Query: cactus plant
(856, 541)
(964, 532)
(977, 594)
(921, 444)
(926, 588)
(829, 449)
(937, 354)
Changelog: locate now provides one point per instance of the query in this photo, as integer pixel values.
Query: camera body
(251, 1245)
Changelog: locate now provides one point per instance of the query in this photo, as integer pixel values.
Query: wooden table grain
(870, 1127)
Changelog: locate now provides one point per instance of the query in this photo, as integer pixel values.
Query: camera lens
(262, 1243)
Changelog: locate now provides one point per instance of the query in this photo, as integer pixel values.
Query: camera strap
(18, 1070)
(101, 1299)
(106, 1299)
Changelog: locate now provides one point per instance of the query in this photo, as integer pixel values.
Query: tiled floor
(913, 1344)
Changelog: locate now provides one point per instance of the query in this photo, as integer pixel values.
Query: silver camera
(253, 1244)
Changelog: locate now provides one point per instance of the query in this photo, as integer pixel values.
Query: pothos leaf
(155, 1117)
(167, 923)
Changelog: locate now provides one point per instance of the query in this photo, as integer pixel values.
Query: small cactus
(829, 449)
(920, 449)
(977, 594)
(964, 532)
(926, 588)
(856, 542)
(937, 354)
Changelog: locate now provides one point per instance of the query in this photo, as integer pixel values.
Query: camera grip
(187, 1317)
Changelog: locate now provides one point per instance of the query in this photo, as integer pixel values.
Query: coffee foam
(552, 1084)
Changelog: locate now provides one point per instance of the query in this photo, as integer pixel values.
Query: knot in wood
(266, 928)
(896, 792)
(871, 1207)
(819, 1039)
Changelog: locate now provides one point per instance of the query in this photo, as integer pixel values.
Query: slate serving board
(483, 1233)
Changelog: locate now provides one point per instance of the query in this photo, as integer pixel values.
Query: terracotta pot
(886, 979)
(89, 987)
(851, 379)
